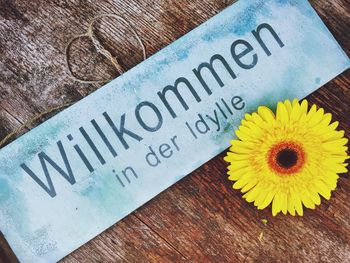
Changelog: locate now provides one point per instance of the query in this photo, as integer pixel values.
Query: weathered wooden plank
(200, 218)
(131, 241)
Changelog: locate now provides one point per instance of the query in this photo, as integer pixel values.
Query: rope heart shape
(100, 48)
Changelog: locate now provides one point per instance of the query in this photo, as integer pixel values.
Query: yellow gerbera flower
(288, 159)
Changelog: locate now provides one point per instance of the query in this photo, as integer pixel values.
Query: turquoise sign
(64, 182)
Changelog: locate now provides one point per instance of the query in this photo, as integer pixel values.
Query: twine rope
(30, 122)
(100, 49)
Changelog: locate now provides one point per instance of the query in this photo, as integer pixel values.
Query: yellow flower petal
(288, 105)
(315, 197)
(236, 165)
(307, 201)
(242, 135)
(316, 118)
(322, 189)
(332, 135)
(337, 142)
(282, 113)
(252, 194)
(291, 206)
(259, 197)
(284, 203)
(303, 107)
(311, 113)
(327, 118)
(249, 185)
(231, 157)
(266, 114)
(235, 175)
(276, 204)
(298, 205)
(268, 199)
(296, 113)
(295, 102)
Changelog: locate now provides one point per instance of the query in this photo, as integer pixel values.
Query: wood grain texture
(200, 218)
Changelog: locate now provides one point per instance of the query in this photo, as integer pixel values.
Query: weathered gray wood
(201, 218)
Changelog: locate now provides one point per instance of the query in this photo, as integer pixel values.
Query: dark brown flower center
(287, 158)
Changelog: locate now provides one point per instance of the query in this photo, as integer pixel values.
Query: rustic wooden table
(200, 218)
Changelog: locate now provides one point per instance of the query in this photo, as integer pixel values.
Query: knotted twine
(100, 49)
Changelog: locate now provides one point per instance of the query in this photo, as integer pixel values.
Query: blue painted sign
(78, 173)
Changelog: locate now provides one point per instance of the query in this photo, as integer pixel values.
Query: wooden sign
(78, 173)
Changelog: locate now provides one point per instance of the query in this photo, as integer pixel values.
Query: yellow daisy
(288, 159)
